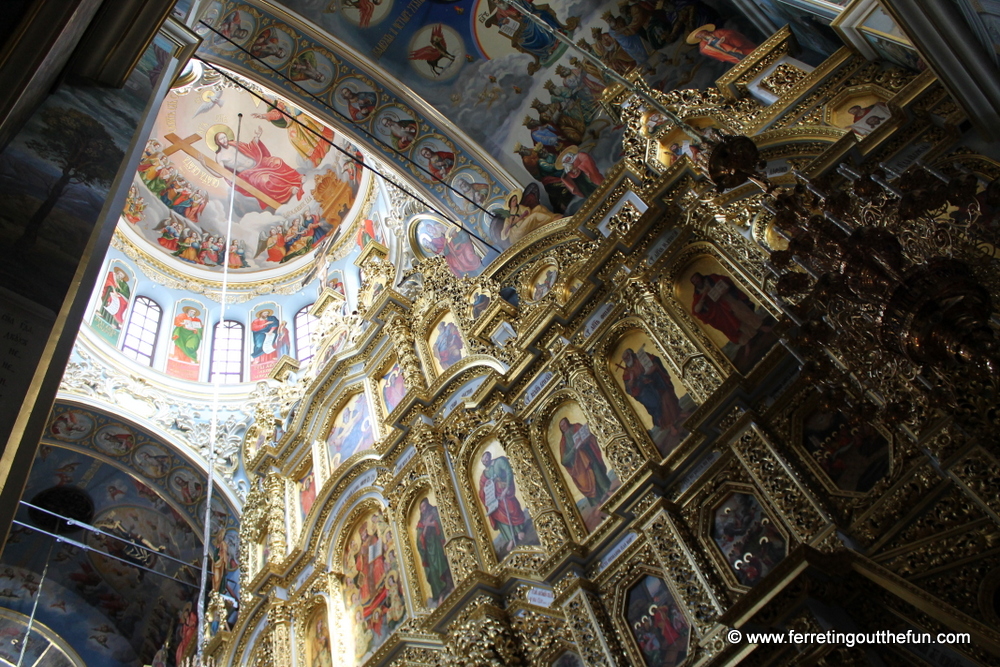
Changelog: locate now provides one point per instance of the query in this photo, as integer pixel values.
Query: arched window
(140, 334)
(227, 352)
(305, 327)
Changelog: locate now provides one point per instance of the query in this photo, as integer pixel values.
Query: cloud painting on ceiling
(478, 59)
(294, 191)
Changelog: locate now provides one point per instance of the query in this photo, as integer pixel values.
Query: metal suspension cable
(214, 427)
(453, 219)
(34, 605)
(98, 531)
(340, 113)
(105, 554)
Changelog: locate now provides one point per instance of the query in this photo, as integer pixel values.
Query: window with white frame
(140, 333)
(227, 352)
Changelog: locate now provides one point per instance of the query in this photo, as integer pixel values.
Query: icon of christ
(272, 181)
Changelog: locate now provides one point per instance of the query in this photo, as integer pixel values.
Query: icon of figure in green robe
(430, 544)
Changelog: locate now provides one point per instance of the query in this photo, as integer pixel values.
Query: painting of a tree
(84, 152)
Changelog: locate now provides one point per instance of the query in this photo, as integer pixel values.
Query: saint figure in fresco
(647, 381)
(448, 346)
(395, 387)
(359, 105)
(580, 172)
(115, 296)
(256, 166)
(581, 456)
(354, 433)
(496, 492)
(526, 36)
(307, 493)
(401, 132)
(265, 330)
(720, 304)
(439, 163)
(430, 544)
(454, 244)
(222, 562)
(322, 655)
(723, 44)
(267, 45)
(525, 214)
(370, 563)
(187, 335)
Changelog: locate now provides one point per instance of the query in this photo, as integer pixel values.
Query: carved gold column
(619, 446)
(402, 340)
(695, 583)
(459, 545)
(549, 521)
(590, 626)
(482, 637)
(279, 620)
(274, 486)
(337, 612)
(701, 377)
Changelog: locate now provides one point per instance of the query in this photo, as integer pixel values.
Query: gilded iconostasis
(497, 368)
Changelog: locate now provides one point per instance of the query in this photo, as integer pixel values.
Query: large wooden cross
(187, 146)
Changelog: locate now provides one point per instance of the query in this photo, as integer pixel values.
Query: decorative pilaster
(279, 620)
(482, 637)
(549, 521)
(402, 340)
(695, 584)
(337, 613)
(274, 486)
(700, 376)
(459, 545)
(620, 448)
(590, 627)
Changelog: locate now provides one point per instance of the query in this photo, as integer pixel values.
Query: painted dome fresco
(292, 184)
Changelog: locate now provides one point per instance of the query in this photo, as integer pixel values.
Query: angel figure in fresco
(719, 303)
(366, 8)
(728, 46)
(310, 139)
(430, 545)
(359, 104)
(115, 297)
(401, 132)
(496, 492)
(581, 456)
(187, 335)
(255, 165)
(434, 52)
(448, 346)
